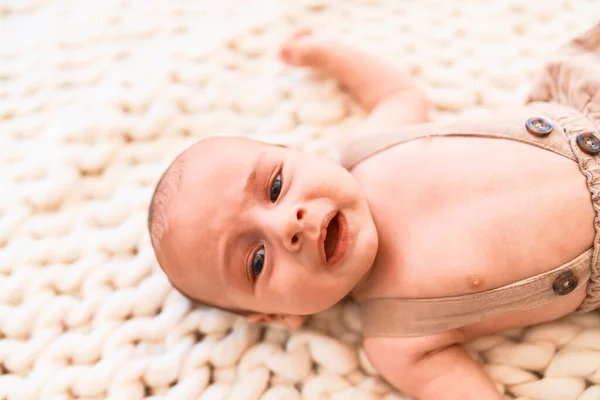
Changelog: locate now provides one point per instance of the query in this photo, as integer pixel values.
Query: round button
(565, 283)
(539, 126)
(589, 143)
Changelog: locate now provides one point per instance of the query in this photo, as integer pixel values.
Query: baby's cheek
(296, 286)
(323, 290)
(294, 281)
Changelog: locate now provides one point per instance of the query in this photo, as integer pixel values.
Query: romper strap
(397, 317)
(508, 124)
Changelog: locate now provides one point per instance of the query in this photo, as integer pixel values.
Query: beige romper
(562, 115)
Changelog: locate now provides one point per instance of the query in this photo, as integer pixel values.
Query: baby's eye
(276, 188)
(258, 262)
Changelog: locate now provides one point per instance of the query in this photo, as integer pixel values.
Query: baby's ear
(291, 321)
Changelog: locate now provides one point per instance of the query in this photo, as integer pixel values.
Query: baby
(442, 232)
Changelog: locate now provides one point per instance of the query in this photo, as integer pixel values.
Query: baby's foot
(305, 49)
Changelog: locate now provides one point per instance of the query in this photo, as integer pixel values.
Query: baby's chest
(453, 224)
(438, 260)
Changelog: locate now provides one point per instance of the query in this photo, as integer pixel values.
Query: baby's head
(266, 231)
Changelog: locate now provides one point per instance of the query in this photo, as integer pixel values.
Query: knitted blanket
(97, 97)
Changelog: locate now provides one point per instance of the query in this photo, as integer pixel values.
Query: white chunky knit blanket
(97, 97)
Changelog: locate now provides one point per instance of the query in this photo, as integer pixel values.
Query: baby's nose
(293, 229)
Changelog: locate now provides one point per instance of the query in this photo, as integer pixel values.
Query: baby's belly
(477, 215)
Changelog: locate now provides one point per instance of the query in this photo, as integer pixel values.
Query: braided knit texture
(97, 98)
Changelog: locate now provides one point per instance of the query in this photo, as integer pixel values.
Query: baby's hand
(303, 48)
(371, 81)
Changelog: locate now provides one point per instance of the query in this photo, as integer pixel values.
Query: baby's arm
(390, 97)
(430, 368)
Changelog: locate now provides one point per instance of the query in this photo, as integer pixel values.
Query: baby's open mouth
(334, 238)
(331, 237)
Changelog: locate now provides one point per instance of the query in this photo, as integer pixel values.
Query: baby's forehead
(217, 169)
(224, 164)
(213, 185)
(229, 148)
(216, 177)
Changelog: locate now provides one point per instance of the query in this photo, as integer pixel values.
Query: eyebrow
(230, 280)
(253, 175)
(233, 278)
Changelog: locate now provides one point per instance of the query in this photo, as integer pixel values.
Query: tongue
(331, 238)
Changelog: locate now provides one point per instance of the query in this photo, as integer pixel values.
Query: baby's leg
(381, 89)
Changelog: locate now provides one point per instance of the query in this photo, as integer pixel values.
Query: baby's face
(267, 229)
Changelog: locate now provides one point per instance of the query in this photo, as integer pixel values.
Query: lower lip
(342, 242)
